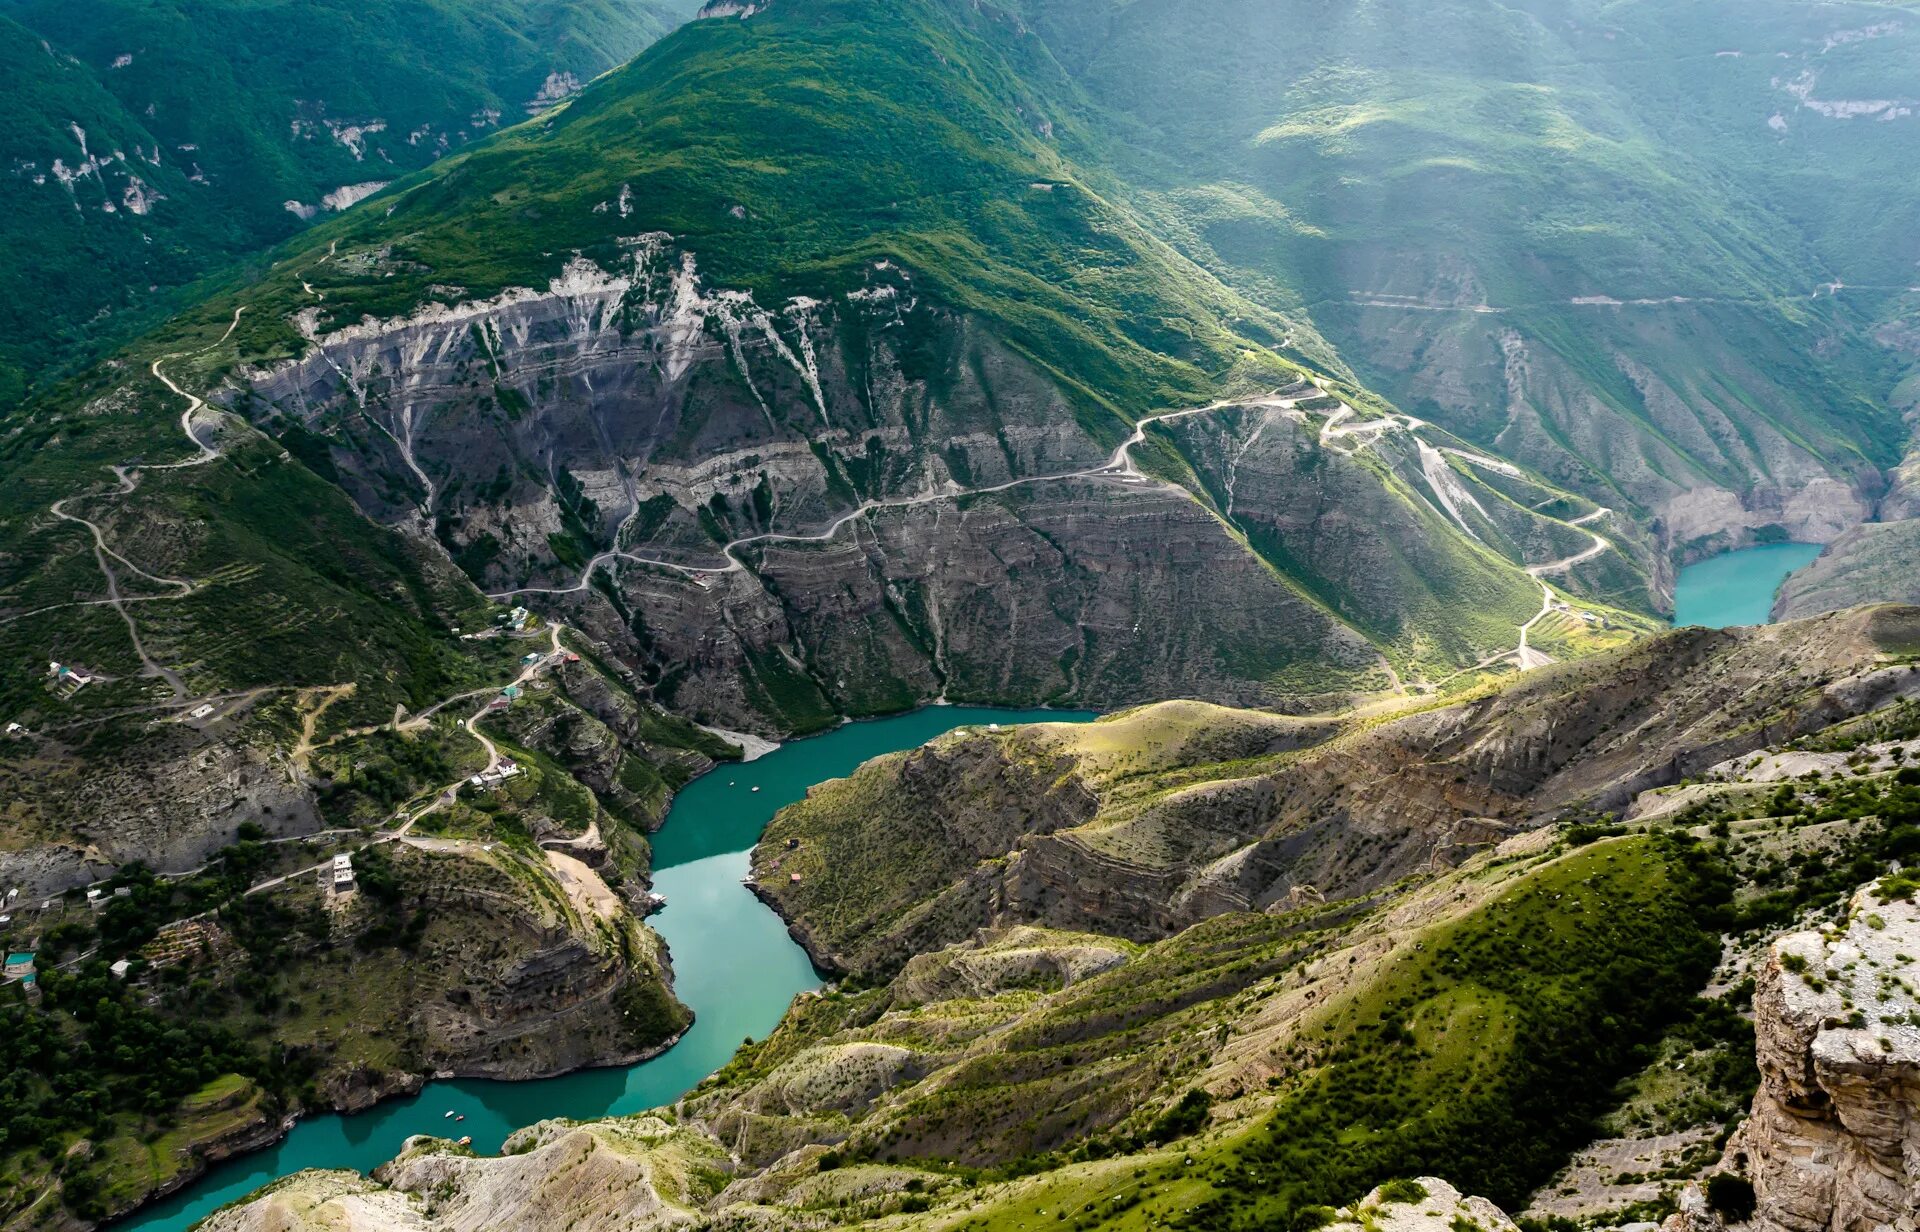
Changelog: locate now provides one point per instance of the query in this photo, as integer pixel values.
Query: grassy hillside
(1146, 821)
(188, 133)
(1481, 1016)
(791, 151)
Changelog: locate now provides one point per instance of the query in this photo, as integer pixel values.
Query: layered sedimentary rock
(1706, 470)
(1833, 1144)
(1878, 562)
(781, 514)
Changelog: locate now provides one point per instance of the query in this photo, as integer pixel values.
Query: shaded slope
(1558, 229)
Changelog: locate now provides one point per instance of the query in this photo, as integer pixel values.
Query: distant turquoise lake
(1737, 588)
(732, 959)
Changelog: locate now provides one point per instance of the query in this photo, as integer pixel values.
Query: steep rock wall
(1833, 1143)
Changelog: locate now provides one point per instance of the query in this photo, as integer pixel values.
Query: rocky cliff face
(782, 514)
(1706, 477)
(577, 408)
(1872, 563)
(521, 969)
(1833, 1144)
(170, 802)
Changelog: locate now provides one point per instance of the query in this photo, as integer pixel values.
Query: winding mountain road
(1337, 434)
(1119, 465)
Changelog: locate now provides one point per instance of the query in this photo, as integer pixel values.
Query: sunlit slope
(1564, 229)
(791, 150)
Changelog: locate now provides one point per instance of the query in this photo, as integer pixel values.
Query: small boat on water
(756, 789)
(459, 1118)
(449, 1113)
(466, 1140)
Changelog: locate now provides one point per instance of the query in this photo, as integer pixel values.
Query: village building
(342, 873)
(487, 780)
(65, 680)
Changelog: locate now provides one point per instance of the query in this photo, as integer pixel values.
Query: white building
(342, 872)
(487, 780)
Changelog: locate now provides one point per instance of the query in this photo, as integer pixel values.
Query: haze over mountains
(560, 398)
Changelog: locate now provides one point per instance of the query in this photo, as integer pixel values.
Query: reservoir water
(732, 959)
(1737, 588)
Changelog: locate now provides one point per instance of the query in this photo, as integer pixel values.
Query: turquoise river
(1737, 588)
(732, 959)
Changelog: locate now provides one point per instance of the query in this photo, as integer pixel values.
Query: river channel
(732, 959)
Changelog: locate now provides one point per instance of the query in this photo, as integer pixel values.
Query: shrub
(1184, 1118)
(1403, 1190)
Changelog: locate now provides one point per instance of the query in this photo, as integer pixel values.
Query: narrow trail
(1597, 547)
(309, 723)
(1337, 435)
(1527, 657)
(127, 478)
(1119, 465)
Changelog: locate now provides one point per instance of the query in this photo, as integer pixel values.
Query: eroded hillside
(1144, 823)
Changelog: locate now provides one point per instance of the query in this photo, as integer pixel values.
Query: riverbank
(735, 966)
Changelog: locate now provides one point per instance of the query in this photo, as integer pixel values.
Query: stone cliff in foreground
(1833, 1144)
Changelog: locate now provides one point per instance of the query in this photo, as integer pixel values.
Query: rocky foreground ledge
(1832, 1144)
(1834, 1140)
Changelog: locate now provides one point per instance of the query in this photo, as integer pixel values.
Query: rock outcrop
(1878, 562)
(856, 503)
(1420, 1205)
(634, 1175)
(1833, 1144)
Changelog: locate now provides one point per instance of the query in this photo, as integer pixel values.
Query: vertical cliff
(1833, 1144)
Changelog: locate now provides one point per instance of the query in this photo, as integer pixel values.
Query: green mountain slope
(1563, 229)
(753, 348)
(790, 152)
(148, 143)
